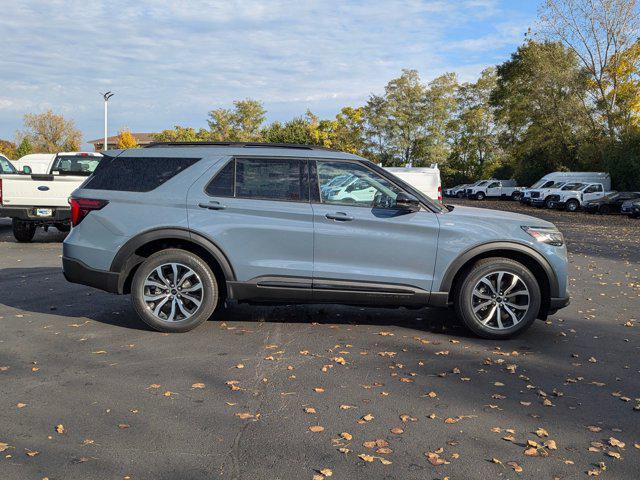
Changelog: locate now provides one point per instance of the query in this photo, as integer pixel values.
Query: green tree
(182, 134)
(300, 130)
(441, 105)
(24, 148)
(376, 129)
(242, 124)
(50, 133)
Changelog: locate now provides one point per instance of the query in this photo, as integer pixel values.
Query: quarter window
(346, 183)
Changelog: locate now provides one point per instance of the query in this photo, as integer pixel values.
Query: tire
(460, 195)
(549, 203)
(465, 299)
(480, 196)
(23, 230)
(515, 196)
(62, 227)
(604, 210)
(572, 205)
(208, 294)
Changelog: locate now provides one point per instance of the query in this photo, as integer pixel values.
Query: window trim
(234, 159)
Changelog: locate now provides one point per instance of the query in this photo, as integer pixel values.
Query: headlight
(548, 235)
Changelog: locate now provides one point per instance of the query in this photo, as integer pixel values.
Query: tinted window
(133, 174)
(222, 183)
(593, 189)
(75, 164)
(360, 186)
(270, 179)
(262, 178)
(494, 185)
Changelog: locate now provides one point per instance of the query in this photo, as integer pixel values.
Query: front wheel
(23, 230)
(549, 203)
(480, 196)
(174, 291)
(572, 205)
(498, 298)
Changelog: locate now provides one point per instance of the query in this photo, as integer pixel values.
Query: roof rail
(236, 144)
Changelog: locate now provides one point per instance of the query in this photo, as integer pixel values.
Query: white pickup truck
(496, 189)
(34, 200)
(572, 200)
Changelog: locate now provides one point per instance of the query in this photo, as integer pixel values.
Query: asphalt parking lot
(88, 392)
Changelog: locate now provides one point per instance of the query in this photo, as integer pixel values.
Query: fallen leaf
(516, 468)
(197, 385)
(397, 431)
(367, 458)
(60, 429)
(316, 428)
(347, 436)
(614, 442)
(318, 390)
(367, 418)
(309, 410)
(541, 432)
(32, 453)
(551, 445)
(3, 446)
(99, 352)
(326, 472)
(614, 454)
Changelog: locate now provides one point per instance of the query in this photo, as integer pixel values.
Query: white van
(558, 179)
(37, 162)
(425, 179)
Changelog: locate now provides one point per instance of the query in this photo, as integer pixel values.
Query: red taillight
(439, 193)
(81, 207)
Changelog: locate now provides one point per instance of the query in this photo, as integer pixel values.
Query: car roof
(208, 150)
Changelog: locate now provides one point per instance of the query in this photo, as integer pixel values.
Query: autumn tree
(241, 124)
(50, 133)
(126, 140)
(8, 149)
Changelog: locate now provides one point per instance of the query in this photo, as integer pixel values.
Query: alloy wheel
(500, 300)
(173, 292)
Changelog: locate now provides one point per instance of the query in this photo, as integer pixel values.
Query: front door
(257, 211)
(362, 242)
(593, 192)
(494, 189)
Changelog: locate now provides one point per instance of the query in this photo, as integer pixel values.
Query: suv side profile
(185, 227)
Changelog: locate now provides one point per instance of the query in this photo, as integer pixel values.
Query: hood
(482, 215)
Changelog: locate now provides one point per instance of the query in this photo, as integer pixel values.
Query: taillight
(81, 207)
(439, 193)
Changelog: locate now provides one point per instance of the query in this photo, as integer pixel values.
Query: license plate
(44, 212)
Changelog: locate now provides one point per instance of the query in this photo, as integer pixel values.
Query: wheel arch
(140, 247)
(534, 261)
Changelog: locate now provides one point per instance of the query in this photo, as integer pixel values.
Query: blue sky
(171, 62)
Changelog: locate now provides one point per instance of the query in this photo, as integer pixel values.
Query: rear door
(366, 244)
(257, 211)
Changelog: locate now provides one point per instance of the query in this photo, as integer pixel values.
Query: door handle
(339, 216)
(213, 205)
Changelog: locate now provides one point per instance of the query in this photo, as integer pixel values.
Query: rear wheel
(23, 230)
(604, 209)
(498, 298)
(549, 203)
(572, 205)
(174, 291)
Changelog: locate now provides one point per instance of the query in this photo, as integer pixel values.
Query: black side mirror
(407, 202)
(26, 169)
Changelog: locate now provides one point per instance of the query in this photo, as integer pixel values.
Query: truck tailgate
(38, 190)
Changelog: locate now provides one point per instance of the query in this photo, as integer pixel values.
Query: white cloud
(170, 62)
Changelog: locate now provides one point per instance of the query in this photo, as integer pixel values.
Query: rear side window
(264, 179)
(136, 174)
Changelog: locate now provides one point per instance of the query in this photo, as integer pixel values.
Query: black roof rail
(237, 144)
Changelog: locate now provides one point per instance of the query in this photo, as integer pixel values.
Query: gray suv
(185, 227)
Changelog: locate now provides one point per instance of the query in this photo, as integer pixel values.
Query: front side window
(593, 189)
(359, 187)
(262, 179)
(494, 185)
(75, 164)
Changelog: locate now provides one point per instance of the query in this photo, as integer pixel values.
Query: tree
(126, 140)
(50, 133)
(376, 129)
(182, 134)
(599, 32)
(8, 149)
(24, 148)
(242, 124)
(300, 130)
(441, 105)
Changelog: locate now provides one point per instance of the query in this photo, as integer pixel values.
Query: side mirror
(26, 170)
(408, 203)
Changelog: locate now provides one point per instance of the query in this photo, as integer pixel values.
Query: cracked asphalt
(88, 392)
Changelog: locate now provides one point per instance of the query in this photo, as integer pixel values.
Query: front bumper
(77, 272)
(59, 214)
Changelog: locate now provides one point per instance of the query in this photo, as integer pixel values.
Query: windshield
(542, 183)
(5, 166)
(556, 185)
(75, 164)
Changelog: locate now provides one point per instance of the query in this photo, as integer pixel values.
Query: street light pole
(106, 96)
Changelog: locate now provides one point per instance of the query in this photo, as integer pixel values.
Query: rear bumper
(60, 214)
(77, 272)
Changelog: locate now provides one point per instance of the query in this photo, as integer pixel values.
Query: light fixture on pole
(106, 96)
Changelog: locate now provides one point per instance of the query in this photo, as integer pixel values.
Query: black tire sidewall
(23, 231)
(209, 282)
(463, 299)
(572, 202)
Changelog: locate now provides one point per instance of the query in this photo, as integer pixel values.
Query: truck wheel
(174, 291)
(498, 298)
(516, 196)
(23, 230)
(572, 205)
(62, 227)
(549, 203)
(480, 196)
(604, 209)
(460, 194)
